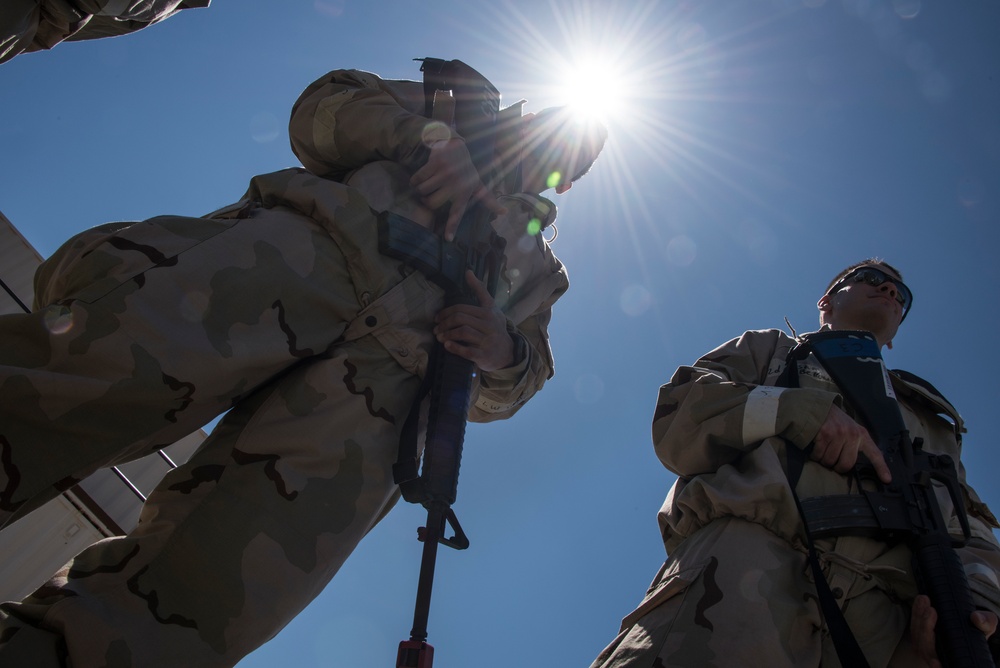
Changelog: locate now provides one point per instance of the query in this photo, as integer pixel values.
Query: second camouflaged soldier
(736, 589)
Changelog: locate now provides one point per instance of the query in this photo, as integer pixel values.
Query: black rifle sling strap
(406, 470)
(848, 650)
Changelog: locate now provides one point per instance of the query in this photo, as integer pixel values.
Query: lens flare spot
(681, 251)
(936, 87)
(588, 389)
(433, 133)
(759, 241)
(264, 127)
(333, 9)
(635, 300)
(528, 243)
(534, 226)
(58, 320)
(906, 9)
(970, 192)
(555, 178)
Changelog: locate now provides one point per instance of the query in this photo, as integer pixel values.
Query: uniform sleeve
(504, 391)
(981, 554)
(35, 26)
(531, 282)
(981, 561)
(710, 413)
(349, 118)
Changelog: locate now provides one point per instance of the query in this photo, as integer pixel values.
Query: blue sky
(759, 146)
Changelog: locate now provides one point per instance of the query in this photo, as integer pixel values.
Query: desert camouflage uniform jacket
(347, 119)
(531, 281)
(35, 25)
(723, 428)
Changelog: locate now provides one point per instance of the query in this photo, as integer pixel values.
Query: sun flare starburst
(593, 88)
(673, 94)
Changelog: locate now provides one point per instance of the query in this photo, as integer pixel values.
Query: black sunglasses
(876, 277)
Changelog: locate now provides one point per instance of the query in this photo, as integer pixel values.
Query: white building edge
(105, 504)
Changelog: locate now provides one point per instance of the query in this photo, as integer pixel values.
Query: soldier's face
(859, 305)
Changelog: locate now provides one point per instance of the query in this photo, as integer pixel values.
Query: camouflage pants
(735, 594)
(233, 544)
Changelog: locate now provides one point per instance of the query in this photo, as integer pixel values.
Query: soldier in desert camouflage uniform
(35, 25)
(282, 305)
(736, 588)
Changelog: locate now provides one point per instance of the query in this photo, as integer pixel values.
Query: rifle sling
(848, 650)
(406, 470)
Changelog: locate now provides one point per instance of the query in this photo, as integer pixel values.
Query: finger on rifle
(874, 455)
(489, 200)
(923, 618)
(482, 294)
(435, 191)
(456, 322)
(985, 621)
(420, 178)
(462, 350)
(453, 318)
(455, 214)
(483, 196)
(462, 337)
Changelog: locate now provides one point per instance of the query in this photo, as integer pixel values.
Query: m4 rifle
(907, 508)
(473, 104)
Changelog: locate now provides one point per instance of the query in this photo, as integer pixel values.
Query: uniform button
(403, 352)
(371, 321)
(837, 592)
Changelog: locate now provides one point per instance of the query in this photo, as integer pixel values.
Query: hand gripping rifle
(906, 509)
(449, 377)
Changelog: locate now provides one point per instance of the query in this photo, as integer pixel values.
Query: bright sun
(593, 89)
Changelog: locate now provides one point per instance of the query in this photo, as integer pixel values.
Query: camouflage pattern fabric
(735, 588)
(34, 25)
(149, 331)
(349, 118)
(318, 339)
(233, 544)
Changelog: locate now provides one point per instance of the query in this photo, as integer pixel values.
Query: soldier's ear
(824, 304)
(563, 187)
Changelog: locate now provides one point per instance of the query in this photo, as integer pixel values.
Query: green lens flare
(555, 178)
(534, 226)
